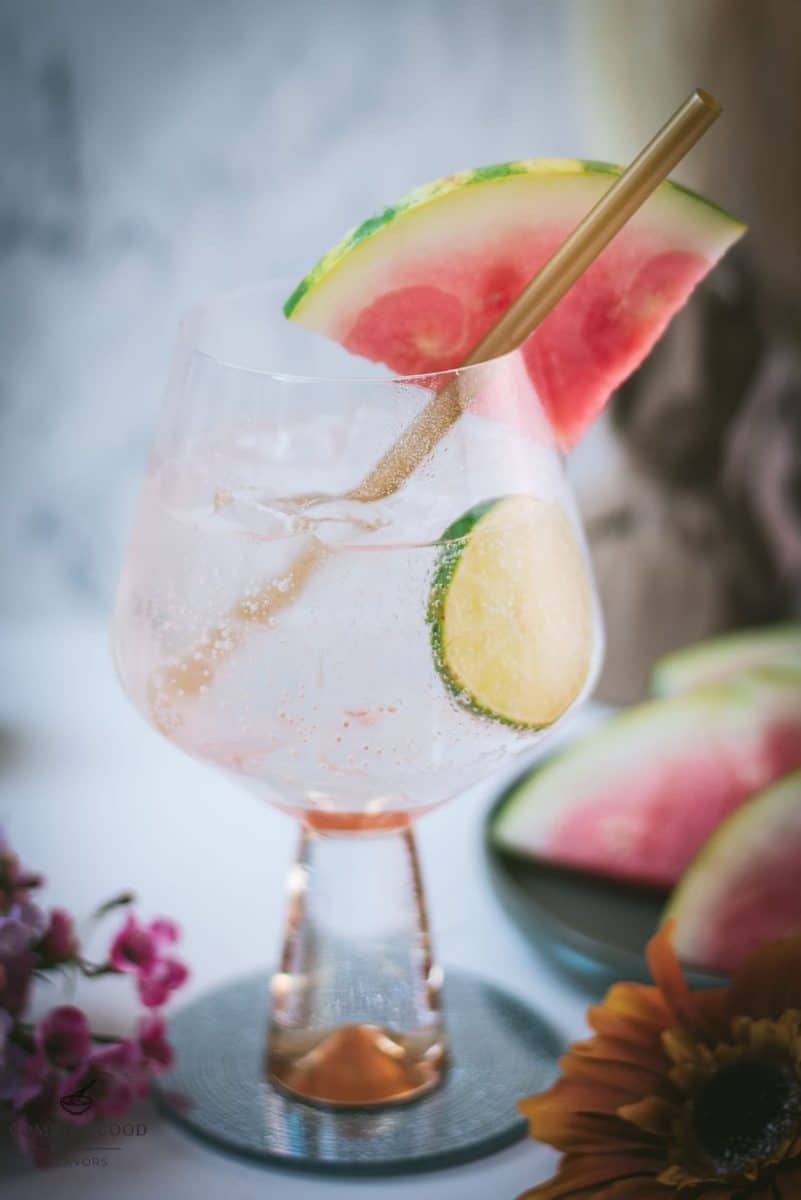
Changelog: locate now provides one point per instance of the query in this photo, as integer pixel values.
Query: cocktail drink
(358, 590)
(355, 663)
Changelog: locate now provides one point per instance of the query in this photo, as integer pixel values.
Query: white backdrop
(156, 151)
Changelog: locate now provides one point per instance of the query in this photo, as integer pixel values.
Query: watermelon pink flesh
(639, 797)
(417, 285)
(685, 800)
(763, 903)
(582, 351)
(744, 888)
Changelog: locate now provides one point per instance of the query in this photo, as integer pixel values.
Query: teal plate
(595, 928)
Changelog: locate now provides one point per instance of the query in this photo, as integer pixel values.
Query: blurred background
(159, 151)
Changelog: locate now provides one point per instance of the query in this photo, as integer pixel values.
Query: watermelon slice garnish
(744, 887)
(417, 285)
(636, 798)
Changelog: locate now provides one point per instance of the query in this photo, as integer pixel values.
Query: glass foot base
(356, 1066)
(499, 1050)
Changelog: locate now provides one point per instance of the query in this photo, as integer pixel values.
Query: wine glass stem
(355, 1014)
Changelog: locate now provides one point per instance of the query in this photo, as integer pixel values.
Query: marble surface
(97, 801)
(155, 152)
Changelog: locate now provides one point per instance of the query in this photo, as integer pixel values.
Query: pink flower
(112, 1079)
(30, 1123)
(35, 1108)
(14, 938)
(31, 1137)
(13, 879)
(13, 1060)
(16, 973)
(20, 927)
(5, 1027)
(164, 977)
(164, 931)
(24, 912)
(156, 1051)
(14, 1067)
(60, 1071)
(135, 947)
(58, 944)
(63, 1038)
(138, 949)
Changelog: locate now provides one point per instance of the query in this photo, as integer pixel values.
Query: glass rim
(207, 304)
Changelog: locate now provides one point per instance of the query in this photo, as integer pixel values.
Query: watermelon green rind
(615, 760)
(745, 844)
(720, 658)
(604, 168)
(584, 758)
(712, 215)
(419, 284)
(416, 198)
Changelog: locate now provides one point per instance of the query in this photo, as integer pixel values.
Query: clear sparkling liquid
(332, 702)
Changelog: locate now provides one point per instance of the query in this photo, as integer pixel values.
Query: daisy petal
(650, 1058)
(769, 982)
(581, 1171)
(669, 978)
(790, 1182)
(634, 1189)
(571, 1096)
(653, 1115)
(636, 1001)
(578, 1131)
(607, 1022)
(630, 1079)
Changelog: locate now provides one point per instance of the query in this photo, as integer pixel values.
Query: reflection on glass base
(499, 1050)
(355, 1065)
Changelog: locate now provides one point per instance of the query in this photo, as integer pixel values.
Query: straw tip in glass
(708, 100)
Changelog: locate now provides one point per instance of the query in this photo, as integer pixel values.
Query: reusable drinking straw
(608, 216)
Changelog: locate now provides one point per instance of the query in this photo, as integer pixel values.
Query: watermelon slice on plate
(744, 887)
(637, 797)
(724, 657)
(418, 284)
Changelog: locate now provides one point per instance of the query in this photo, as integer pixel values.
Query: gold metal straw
(629, 191)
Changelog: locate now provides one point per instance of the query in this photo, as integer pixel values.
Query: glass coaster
(500, 1050)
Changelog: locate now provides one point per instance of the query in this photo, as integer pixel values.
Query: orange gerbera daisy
(694, 1094)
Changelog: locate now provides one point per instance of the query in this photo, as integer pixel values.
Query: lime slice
(511, 611)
